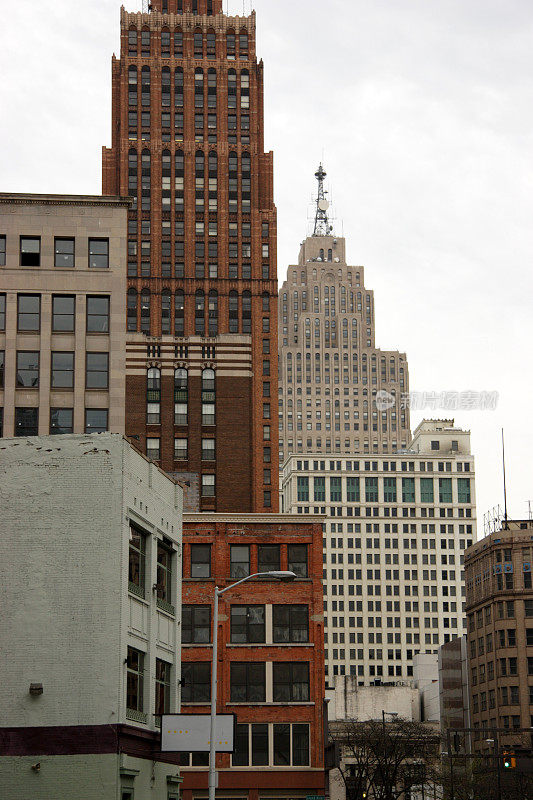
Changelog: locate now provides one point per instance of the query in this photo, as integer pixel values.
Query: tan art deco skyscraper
(331, 372)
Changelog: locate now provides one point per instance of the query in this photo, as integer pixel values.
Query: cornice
(63, 200)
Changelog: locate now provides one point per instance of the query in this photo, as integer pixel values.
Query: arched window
(232, 89)
(199, 313)
(145, 86)
(145, 311)
(243, 44)
(165, 43)
(230, 45)
(321, 254)
(199, 167)
(179, 313)
(132, 310)
(198, 88)
(145, 180)
(265, 298)
(198, 44)
(245, 89)
(178, 87)
(330, 255)
(181, 393)
(211, 44)
(179, 183)
(178, 43)
(153, 396)
(166, 167)
(233, 312)
(132, 86)
(165, 311)
(145, 42)
(132, 42)
(208, 397)
(233, 185)
(213, 182)
(246, 312)
(213, 313)
(246, 186)
(212, 88)
(165, 86)
(132, 178)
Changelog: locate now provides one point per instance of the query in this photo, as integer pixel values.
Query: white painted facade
(349, 701)
(67, 614)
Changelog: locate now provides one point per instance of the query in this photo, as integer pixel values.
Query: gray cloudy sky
(424, 114)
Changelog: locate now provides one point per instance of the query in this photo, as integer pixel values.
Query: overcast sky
(423, 113)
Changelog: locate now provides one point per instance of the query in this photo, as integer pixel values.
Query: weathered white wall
(350, 701)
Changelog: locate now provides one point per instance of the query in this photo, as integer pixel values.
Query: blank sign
(190, 733)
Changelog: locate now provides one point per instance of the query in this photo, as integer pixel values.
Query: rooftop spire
(322, 226)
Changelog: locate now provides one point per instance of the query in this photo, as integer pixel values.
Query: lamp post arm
(242, 580)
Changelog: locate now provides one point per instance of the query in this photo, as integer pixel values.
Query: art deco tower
(331, 372)
(187, 146)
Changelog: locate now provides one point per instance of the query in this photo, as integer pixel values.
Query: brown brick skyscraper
(187, 145)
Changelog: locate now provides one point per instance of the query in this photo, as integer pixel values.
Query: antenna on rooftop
(505, 525)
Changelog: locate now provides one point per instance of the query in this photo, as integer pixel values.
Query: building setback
(394, 539)
(271, 652)
(62, 333)
(499, 605)
(90, 560)
(187, 145)
(331, 372)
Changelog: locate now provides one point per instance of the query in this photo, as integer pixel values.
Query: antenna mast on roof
(505, 524)
(322, 226)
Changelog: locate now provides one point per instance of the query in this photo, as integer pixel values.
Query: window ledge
(137, 591)
(137, 716)
(167, 608)
(197, 644)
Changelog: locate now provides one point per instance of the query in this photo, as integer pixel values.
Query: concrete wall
(361, 703)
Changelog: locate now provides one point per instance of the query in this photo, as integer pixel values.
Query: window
(196, 624)
(208, 485)
(98, 314)
(352, 490)
(137, 561)
(247, 624)
(62, 370)
(180, 396)
(97, 371)
(153, 447)
(195, 682)
(335, 489)
(164, 576)
(297, 559)
(28, 370)
(28, 312)
(132, 310)
(371, 490)
(291, 682)
(463, 490)
(63, 313)
(96, 420)
(2, 312)
(445, 490)
(282, 744)
(180, 449)
(247, 682)
(153, 396)
(302, 488)
(251, 739)
(98, 253)
(208, 397)
(426, 490)
(162, 686)
(30, 251)
(135, 680)
(200, 561)
(389, 489)
(2, 367)
(208, 449)
(2, 251)
(239, 561)
(61, 420)
(319, 489)
(268, 557)
(26, 422)
(63, 252)
(290, 623)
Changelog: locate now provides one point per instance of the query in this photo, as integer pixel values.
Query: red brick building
(187, 146)
(271, 651)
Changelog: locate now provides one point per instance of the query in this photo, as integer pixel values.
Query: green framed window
(303, 488)
(426, 490)
(353, 493)
(335, 489)
(463, 490)
(389, 490)
(445, 490)
(319, 489)
(408, 490)
(371, 490)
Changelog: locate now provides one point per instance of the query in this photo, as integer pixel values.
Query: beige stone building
(330, 371)
(62, 314)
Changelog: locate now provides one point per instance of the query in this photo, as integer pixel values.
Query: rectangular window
(297, 559)
(200, 561)
(98, 253)
(135, 680)
(208, 449)
(2, 251)
(408, 490)
(2, 312)
(137, 562)
(303, 488)
(2, 367)
(268, 557)
(61, 420)
(371, 490)
(153, 447)
(195, 682)
(27, 370)
(239, 561)
(28, 313)
(208, 486)
(63, 252)
(290, 682)
(164, 577)
(426, 490)
(62, 370)
(319, 489)
(63, 313)
(335, 489)
(30, 251)
(300, 745)
(97, 371)
(389, 490)
(26, 422)
(96, 420)
(445, 490)
(196, 624)
(352, 490)
(162, 686)
(247, 624)
(180, 449)
(98, 314)
(247, 682)
(463, 490)
(290, 623)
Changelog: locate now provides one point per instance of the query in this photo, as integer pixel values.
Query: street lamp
(279, 575)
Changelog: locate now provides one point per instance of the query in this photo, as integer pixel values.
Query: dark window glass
(162, 686)
(300, 745)
(2, 251)
(97, 371)
(200, 561)
(239, 561)
(63, 252)
(137, 561)
(28, 370)
(259, 745)
(247, 624)
(29, 312)
(297, 559)
(63, 313)
(164, 574)
(61, 420)
(98, 314)
(30, 251)
(26, 422)
(241, 753)
(2, 312)
(268, 557)
(291, 682)
(99, 253)
(96, 420)
(247, 682)
(2, 367)
(282, 745)
(196, 682)
(135, 680)
(62, 372)
(290, 623)
(196, 624)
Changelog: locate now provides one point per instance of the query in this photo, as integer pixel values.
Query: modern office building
(187, 145)
(62, 331)
(499, 605)
(270, 652)
(90, 560)
(394, 539)
(330, 371)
